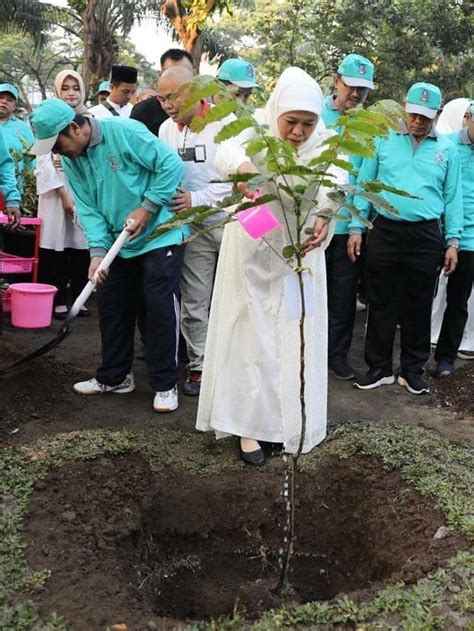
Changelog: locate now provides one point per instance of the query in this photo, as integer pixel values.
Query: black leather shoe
(255, 458)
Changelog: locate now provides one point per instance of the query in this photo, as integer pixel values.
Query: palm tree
(26, 16)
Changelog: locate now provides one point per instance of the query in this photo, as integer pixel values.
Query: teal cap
(424, 99)
(357, 71)
(239, 72)
(48, 119)
(8, 87)
(104, 87)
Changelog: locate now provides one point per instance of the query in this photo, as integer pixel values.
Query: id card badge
(292, 297)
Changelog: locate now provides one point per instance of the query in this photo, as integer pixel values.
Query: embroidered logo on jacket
(113, 162)
(439, 157)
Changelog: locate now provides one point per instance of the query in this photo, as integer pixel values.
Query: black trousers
(156, 274)
(65, 268)
(342, 280)
(402, 264)
(456, 313)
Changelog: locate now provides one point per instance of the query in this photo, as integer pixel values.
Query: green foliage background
(408, 40)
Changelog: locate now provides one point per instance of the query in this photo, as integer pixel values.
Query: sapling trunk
(292, 462)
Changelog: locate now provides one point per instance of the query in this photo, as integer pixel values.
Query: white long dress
(251, 375)
(251, 381)
(59, 230)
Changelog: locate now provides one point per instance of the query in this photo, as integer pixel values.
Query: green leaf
(264, 199)
(213, 114)
(337, 196)
(199, 89)
(233, 129)
(375, 186)
(355, 148)
(297, 170)
(364, 127)
(379, 202)
(355, 212)
(288, 251)
(343, 164)
(255, 146)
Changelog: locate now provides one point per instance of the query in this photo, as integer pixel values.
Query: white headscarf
(451, 118)
(295, 90)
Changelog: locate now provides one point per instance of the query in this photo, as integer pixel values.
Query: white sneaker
(166, 401)
(92, 386)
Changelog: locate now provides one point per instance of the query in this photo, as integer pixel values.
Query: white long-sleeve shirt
(199, 167)
(99, 111)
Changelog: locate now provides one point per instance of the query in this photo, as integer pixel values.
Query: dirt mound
(127, 545)
(456, 392)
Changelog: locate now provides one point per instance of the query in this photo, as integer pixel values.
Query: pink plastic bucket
(258, 221)
(32, 305)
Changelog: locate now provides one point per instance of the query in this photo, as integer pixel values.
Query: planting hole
(126, 544)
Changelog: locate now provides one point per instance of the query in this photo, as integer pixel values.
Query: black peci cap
(127, 74)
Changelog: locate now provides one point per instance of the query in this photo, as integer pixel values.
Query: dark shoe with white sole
(415, 384)
(375, 379)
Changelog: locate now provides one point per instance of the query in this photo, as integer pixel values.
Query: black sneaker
(413, 383)
(374, 379)
(341, 370)
(192, 385)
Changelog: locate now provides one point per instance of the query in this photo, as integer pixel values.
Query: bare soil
(127, 545)
(38, 399)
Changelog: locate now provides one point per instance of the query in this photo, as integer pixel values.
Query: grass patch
(437, 468)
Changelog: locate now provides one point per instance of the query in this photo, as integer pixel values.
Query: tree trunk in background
(186, 26)
(100, 46)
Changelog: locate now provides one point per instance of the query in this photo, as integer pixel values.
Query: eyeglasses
(355, 88)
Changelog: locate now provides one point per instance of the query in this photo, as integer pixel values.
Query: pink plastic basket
(10, 264)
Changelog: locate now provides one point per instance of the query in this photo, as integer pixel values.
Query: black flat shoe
(255, 458)
(84, 313)
(59, 315)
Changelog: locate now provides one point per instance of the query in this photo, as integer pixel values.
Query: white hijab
(295, 90)
(451, 118)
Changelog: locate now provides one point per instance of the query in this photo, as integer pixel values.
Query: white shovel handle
(104, 264)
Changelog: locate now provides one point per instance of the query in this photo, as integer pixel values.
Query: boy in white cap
(352, 83)
(103, 91)
(404, 251)
(240, 76)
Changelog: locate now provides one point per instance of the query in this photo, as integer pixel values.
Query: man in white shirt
(123, 85)
(198, 188)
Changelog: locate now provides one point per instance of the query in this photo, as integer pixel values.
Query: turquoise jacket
(330, 114)
(7, 175)
(430, 170)
(124, 167)
(465, 148)
(14, 131)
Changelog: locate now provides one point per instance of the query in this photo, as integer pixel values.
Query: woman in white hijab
(453, 118)
(64, 256)
(251, 377)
